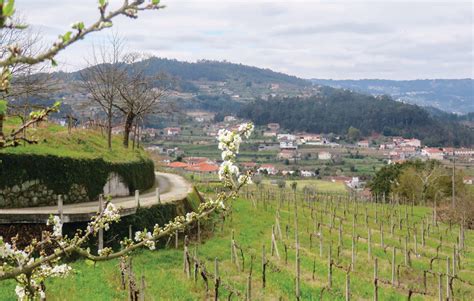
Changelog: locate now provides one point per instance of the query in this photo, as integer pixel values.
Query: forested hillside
(450, 95)
(334, 111)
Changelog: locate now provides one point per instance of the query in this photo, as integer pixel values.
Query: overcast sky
(311, 39)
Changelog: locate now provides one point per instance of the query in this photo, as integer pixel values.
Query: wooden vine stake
(348, 286)
(393, 265)
(376, 288)
(186, 260)
(330, 267)
(448, 282)
(274, 244)
(217, 279)
(264, 267)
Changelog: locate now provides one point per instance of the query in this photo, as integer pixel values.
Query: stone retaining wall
(33, 194)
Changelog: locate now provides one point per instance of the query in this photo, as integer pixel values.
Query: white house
(411, 142)
(286, 137)
(288, 144)
(307, 173)
(433, 153)
(324, 155)
(363, 143)
(270, 169)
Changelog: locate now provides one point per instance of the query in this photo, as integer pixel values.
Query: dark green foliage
(59, 173)
(381, 184)
(335, 111)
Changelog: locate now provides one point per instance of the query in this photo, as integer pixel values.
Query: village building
(314, 139)
(468, 180)
(363, 144)
(288, 144)
(248, 165)
(196, 160)
(172, 131)
(433, 153)
(230, 118)
(307, 173)
(286, 137)
(274, 127)
(269, 134)
(411, 142)
(268, 168)
(387, 146)
(464, 152)
(324, 155)
(177, 165)
(268, 147)
(204, 167)
(289, 154)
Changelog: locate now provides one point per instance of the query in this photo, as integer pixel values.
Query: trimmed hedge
(59, 173)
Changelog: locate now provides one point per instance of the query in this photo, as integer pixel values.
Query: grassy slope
(318, 185)
(55, 140)
(166, 281)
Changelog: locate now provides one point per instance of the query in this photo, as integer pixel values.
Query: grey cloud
(347, 27)
(338, 39)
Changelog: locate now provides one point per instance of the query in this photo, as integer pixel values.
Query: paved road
(172, 187)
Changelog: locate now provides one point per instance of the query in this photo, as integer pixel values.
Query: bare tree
(139, 96)
(27, 81)
(102, 77)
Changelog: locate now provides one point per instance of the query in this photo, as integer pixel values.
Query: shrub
(60, 173)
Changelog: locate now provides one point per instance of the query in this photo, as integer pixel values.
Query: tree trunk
(2, 137)
(128, 127)
(109, 130)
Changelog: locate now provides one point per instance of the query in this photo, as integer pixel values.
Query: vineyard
(276, 244)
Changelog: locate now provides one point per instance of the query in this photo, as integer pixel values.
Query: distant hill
(335, 110)
(450, 95)
(219, 71)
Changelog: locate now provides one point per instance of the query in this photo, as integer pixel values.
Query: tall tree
(139, 95)
(102, 77)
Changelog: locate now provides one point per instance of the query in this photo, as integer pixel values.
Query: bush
(60, 173)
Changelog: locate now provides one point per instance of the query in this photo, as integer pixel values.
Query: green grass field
(252, 223)
(318, 185)
(55, 140)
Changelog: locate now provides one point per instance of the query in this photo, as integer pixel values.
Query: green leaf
(78, 25)
(3, 106)
(66, 37)
(54, 63)
(155, 2)
(9, 9)
(102, 3)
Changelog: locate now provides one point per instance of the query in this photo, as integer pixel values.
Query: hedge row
(59, 173)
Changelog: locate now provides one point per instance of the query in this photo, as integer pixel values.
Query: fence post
(157, 192)
(137, 198)
(60, 208)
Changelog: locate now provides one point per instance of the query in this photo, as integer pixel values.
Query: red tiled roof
(177, 165)
(203, 167)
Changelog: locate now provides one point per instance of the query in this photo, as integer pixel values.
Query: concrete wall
(115, 186)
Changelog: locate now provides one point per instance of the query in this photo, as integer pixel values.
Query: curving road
(172, 187)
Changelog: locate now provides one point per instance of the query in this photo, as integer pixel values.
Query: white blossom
(20, 292)
(57, 224)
